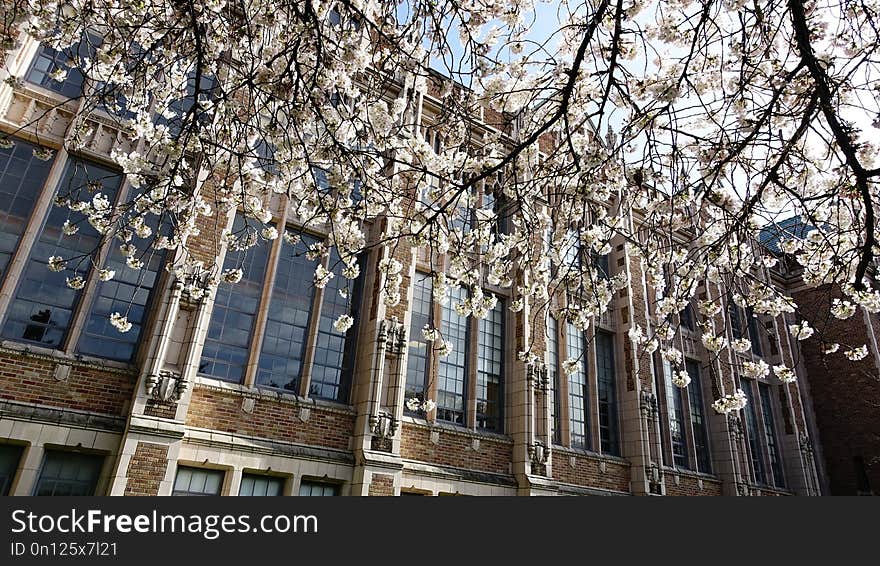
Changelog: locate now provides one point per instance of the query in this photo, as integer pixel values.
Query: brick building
(250, 391)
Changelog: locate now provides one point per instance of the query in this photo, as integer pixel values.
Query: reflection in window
(417, 362)
(754, 335)
(9, 458)
(578, 396)
(256, 485)
(752, 430)
(675, 416)
(770, 435)
(43, 305)
(698, 421)
(490, 366)
(197, 481)
(68, 473)
(452, 369)
(50, 61)
(607, 391)
(316, 489)
(182, 106)
(225, 353)
(284, 341)
(22, 177)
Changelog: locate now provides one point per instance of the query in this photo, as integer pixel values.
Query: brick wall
(146, 469)
(156, 408)
(271, 419)
(845, 395)
(455, 450)
(381, 485)
(586, 471)
(31, 379)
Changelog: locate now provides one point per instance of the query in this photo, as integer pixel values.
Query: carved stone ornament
(193, 287)
(383, 427)
(538, 376)
(168, 386)
(735, 426)
(648, 405)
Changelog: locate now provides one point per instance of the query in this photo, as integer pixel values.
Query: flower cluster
(415, 405)
(785, 374)
(681, 378)
(730, 402)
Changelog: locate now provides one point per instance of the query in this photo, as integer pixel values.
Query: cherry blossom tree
(682, 128)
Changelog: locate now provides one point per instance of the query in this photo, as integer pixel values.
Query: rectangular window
(10, 455)
(607, 391)
(698, 421)
(735, 319)
(553, 376)
(675, 417)
(317, 489)
(227, 344)
(419, 349)
(752, 433)
(578, 394)
(198, 481)
(754, 336)
(287, 324)
(43, 306)
(452, 369)
(22, 177)
(257, 485)
(50, 61)
(68, 473)
(770, 435)
(490, 367)
(335, 352)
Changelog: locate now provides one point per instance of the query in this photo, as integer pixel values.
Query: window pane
(316, 489)
(698, 421)
(197, 481)
(256, 485)
(607, 390)
(22, 177)
(553, 375)
(752, 430)
(675, 417)
(48, 61)
(228, 341)
(754, 335)
(334, 351)
(770, 435)
(417, 360)
(284, 340)
(129, 292)
(578, 395)
(452, 369)
(490, 370)
(44, 305)
(68, 473)
(9, 458)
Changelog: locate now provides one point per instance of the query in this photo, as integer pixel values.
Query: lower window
(197, 481)
(69, 473)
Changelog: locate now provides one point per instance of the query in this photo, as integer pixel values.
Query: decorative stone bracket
(538, 376)
(393, 334)
(193, 287)
(735, 426)
(648, 405)
(168, 386)
(655, 478)
(383, 427)
(539, 454)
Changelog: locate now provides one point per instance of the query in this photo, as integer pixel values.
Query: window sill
(590, 454)
(206, 382)
(59, 356)
(456, 429)
(689, 473)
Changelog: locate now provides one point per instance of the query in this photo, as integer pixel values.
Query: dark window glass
(43, 305)
(68, 473)
(687, 317)
(602, 263)
(225, 353)
(553, 375)
(316, 489)
(9, 458)
(335, 352)
(257, 485)
(608, 434)
(197, 481)
(22, 177)
(578, 395)
(698, 419)
(754, 336)
(284, 341)
(181, 106)
(49, 60)
(418, 350)
(490, 369)
(735, 319)
(675, 410)
(753, 432)
(770, 435)
(129, 292)
(452, 369)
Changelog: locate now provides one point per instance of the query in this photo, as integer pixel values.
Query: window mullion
(250, 372)
(562, 394)
(470, 390)
(592, 360)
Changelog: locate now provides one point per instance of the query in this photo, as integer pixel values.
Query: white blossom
(343, 323)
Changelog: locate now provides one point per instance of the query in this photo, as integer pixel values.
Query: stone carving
(168, 386)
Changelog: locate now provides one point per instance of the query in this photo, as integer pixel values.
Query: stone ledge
(241, 443)
(260, 394)
(58, 357)
(67, 417)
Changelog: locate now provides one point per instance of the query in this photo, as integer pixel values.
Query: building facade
(251, 391)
